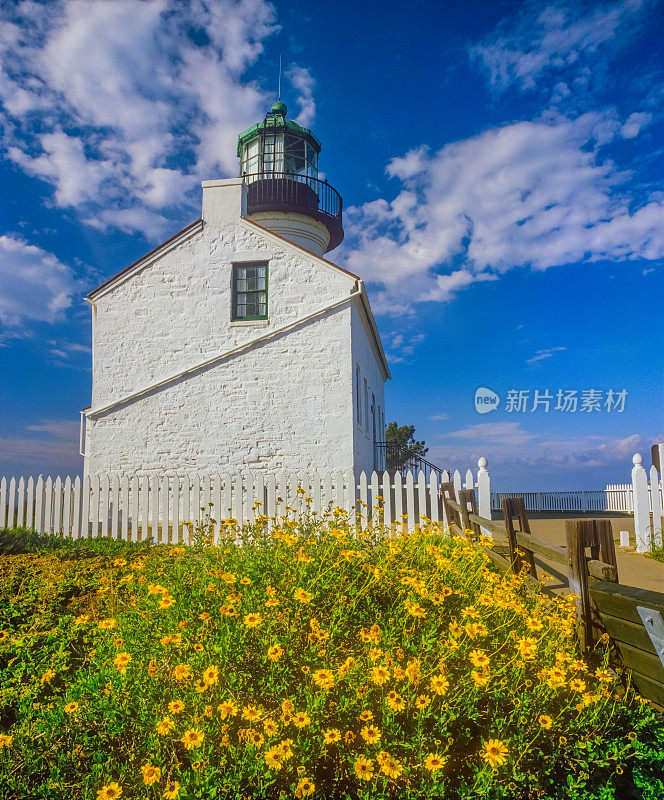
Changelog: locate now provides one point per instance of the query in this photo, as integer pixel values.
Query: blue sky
(502, 171)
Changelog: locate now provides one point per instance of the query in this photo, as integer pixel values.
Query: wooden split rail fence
(632, 617)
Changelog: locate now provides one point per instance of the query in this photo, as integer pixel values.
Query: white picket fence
(619, 497)
(581, 501)
(647, 505)
(134, 508)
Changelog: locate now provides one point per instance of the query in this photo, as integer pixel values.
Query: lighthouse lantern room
(279, 164)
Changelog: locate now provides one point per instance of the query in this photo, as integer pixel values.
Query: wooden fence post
(468, 503)
(641, 505)
(452, 516)
(515, 508)
(597, 535)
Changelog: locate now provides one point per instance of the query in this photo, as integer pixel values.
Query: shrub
(314, 660)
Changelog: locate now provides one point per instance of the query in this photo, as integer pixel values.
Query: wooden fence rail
(633, 617)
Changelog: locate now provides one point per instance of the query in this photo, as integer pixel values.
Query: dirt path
(634, 569)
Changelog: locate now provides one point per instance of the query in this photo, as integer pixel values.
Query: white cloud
(542, 355)
(64, 351)
(504, 433)
(539, 44)
(34, 285)
(517, 454)
(528, 194)
(635, 123)
(124, 106)
(303, 83)
(49, 447)
(439, 417)
(401, 345)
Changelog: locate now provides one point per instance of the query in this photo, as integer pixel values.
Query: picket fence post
(641, 505)
(483, 494)
(656, 507)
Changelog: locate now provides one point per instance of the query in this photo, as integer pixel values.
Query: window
(373, 417)
(250, 291)
(358, 413)
(366, 405)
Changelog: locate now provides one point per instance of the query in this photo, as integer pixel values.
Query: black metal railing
(390, 456)
(285, 191)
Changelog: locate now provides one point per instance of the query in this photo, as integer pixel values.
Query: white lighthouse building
(235, 345)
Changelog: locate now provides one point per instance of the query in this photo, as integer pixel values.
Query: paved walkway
(634, 569)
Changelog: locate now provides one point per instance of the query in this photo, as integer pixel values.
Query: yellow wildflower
(364, 768)
(182, 672)
(305, 787)
(301, 719)
(211, 675)
(331, 735)
(433, 762)
(380, 675)
(151, 774)
(439, 684)
(494, 752)
(227, 709)
(391, 767)
(109, 792)
(46, 677)
(323, 678)
(192, 738)
(165, 725)
(275, 652)
(395, 701)
(273, 758)
(371, 734)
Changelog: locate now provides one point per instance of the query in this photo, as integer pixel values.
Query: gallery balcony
(297, 193)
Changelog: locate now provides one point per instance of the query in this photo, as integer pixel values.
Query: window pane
(250, 290)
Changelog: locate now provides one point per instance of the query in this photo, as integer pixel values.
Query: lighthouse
(235, 346)
(279, 164)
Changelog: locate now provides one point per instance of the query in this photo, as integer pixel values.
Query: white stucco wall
(284, 404)
(364, 356)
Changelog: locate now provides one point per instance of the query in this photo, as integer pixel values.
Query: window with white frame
(366, 405)
(358, 405)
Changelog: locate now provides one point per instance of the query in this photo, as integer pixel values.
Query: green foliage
(404, 436)
(657, 552)
(282, 634)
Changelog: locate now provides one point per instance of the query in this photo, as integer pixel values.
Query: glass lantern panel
(250, 157)
(273, 148)
(294, 155)
(312, 162)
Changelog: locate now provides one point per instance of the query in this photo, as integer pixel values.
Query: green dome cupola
(279, 162)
